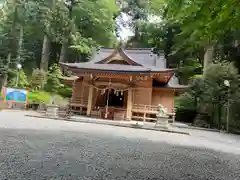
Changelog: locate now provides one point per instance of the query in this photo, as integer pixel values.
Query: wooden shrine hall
(122, 84)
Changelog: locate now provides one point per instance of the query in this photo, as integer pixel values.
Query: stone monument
(162, 118)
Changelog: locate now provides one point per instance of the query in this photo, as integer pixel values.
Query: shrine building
(122, 84)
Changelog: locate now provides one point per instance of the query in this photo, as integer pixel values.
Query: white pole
(17, 78)
(228, 85)
(19, 66)
(228, 109)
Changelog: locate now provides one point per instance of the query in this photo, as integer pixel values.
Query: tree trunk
(5, 77)
(46, 44)
(208, 57)
(1, 83)
(20, 42)
(45, 53)
(66, 42)
(63, 54)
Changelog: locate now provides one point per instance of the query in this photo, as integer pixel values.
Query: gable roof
(142, 61)
(141, 56)
(122, 53)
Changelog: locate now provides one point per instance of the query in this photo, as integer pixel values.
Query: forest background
(200, 40)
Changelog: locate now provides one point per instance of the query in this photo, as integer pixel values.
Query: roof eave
(72, 68)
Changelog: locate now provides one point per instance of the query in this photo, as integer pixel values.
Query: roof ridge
(138, 48)
(127, 48)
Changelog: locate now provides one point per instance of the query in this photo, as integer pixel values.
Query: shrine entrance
(116, 99)
(112, 104)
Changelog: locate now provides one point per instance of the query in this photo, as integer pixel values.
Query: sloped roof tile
(143, 56)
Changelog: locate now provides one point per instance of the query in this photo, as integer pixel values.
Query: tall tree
(11, 35)
(203, 22)
(46, 40)
(86, 20)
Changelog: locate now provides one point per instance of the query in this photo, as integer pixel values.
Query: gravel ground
(47, 149)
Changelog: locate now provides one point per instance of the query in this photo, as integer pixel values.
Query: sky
(126, 31)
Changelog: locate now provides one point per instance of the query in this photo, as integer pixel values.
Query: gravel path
(47, 149)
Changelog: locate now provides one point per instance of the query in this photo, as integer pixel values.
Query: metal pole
(228, 109)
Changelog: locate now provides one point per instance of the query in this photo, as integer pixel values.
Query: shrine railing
(78, 101)
(142, 107)
(148, 112)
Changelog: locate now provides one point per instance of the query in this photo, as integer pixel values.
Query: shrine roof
(114, 67)
(141, 59)
(142, 56)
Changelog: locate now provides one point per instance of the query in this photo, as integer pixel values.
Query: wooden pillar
(129, 104)
(90, 97)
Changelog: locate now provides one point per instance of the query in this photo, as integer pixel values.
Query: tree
(45, 25)
(10, 35)
(202, 23)
(47, 34)
(84, 25)
(210, 97)
(53, 79)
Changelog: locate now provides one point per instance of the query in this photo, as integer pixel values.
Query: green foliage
(39, 97)
(195, 25)
(22, 82)
(210, 96)
(94, 21)
(92, 25)
(65, 92)
(185, 102)
(45, 97)
(51, 82)
(53, 79)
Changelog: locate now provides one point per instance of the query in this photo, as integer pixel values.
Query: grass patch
(39, 97)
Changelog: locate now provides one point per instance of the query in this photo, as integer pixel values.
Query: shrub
(45, 97)
(65, 92)
(53, 79)
(185, 108)
(185, 101)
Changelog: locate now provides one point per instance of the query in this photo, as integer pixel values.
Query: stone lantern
(52, 109)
